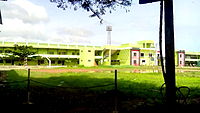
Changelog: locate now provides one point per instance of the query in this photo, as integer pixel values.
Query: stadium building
(142, 53)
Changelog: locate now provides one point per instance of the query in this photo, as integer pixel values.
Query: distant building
(141, 53)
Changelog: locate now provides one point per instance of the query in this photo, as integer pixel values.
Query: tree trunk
(25, 61)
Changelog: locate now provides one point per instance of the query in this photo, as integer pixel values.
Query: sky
(41, 21)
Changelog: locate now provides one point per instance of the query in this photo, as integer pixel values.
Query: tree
(22, 52)
(7, 55)
(97, 7)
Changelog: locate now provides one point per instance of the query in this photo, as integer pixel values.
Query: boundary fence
(29, 80)
(181, 97)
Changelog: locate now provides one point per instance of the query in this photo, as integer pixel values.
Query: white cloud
(26, 11)
(26, 21)
(74, 31)
(15, 29)
(23, 21)
(70, 35)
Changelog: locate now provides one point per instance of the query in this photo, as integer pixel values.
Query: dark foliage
(97, 7)
(22, 52)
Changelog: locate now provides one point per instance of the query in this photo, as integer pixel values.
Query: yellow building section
(148, 57)
(87, 56)
(84, 55)
(124, 57)
(145, 44)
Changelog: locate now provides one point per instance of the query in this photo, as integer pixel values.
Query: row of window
(88, 50)
(63, 53)
(73, 53)
(135, 61)
(98, 53)
(88, 60)
(6, 51)
(42, 61)
(142, 54)
(50, 52)
(39, 61)
(192, 57)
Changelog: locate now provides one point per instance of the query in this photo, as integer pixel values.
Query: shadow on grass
(49, 95)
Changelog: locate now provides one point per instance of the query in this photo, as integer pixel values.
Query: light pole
(109, 29)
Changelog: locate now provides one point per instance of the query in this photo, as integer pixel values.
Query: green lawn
(145, 85)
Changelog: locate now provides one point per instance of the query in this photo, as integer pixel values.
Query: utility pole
(0, 14)
(169, 53)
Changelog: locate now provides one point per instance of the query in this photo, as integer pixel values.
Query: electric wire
(72, 87)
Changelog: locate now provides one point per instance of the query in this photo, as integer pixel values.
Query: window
(59, 62)
(1, 51)
(7, 51)
(152, 59)
(53, 62)
(97, 53)
(62, 53)
(158, 56)
(142, 54)
(150, 55)
(41, 61)
(51, 53)
(8, 61)
(143, 62)
(73, 53)
(134, 61)
(134, 54)
(114, 60)
(1, 60)
(180, 55)
(117, 53)
(180, 62)
(89, 50)
(89, 60)
(143, 45)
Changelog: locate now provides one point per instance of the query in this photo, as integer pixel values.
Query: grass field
(138, 85)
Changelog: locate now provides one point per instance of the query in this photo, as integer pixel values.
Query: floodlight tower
(109, 29)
